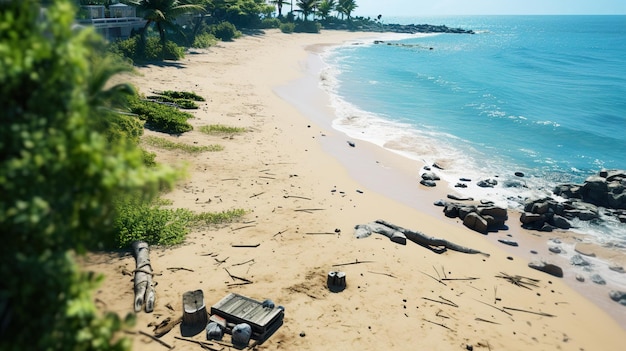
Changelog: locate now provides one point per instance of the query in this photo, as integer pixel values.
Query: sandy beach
(305, 189)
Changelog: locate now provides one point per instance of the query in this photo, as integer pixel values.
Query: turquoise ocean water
(543, 95)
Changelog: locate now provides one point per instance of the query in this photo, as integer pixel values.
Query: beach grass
(220, 129)
(170, 145)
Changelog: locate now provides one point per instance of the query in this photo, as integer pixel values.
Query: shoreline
(304, 204)
(401, 177)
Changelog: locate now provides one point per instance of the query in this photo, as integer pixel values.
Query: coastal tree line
(201, 23)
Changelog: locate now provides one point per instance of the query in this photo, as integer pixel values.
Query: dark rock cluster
(607, 189)
(481, 218)
(618, 296)
(400, 28)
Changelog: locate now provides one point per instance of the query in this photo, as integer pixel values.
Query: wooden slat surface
(239, 309)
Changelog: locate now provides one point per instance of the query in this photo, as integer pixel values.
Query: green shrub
(308, 27)
(127, 48)
(180, 103)
(204, 40)
(132, 49)
(225, 31)
(288, 27)
(137, 220)
(160, 117)
(182, 95)
(149, 158)
(270, 23)
(173, 51)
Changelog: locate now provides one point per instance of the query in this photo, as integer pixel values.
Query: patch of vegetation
(180, 103)
(218, 217)
(221, 129)
(225, 31)
(157, 226)
(137, 220)
(160, 117)
(270, 23)
(288, 27)
(170, 145)
(153, 50)
(189, 95)
(204, 40)
(307, 27)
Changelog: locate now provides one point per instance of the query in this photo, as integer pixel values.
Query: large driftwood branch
(144, 289)
(399, 235)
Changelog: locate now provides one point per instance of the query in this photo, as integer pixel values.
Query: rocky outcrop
(548, 214)
(414, 28)
(480, 218)
(607, 189)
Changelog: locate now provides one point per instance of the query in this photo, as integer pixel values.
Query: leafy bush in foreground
(59, 176)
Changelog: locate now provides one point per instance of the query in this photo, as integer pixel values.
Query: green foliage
(59, 175)
(221, 129)
(271, 23)
(307, 27)
(218, 217)
(225, 31)
(204, 40)
(153, 50)
(149, 158)
(170, 145)
(162, 13)
(182, 99)
(190, 95)
(288, 27)
(141, 220)
(160, 117)
(180, 103)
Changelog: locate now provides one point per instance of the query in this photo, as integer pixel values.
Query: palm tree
(279, 4)
(307, 7)
(346, 7)
(162, 13)
(326, 7)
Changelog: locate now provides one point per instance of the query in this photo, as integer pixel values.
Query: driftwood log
(144, 288)
(399, 235)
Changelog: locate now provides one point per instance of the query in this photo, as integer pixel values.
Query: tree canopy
(59, 176)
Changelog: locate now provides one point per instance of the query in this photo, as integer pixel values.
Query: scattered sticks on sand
(351, 263)
(520, 281)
